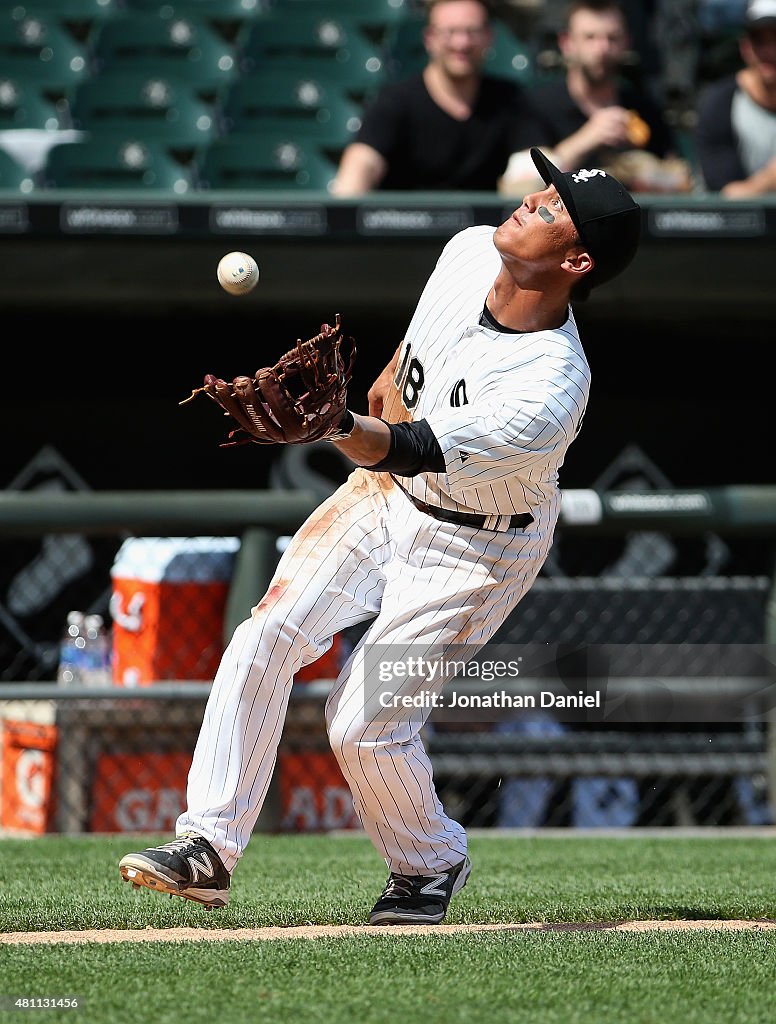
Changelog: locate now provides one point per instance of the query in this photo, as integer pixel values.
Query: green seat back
(405, 53)
(227, 17)
(374, 15)
(13, 176)
(24, 104)
(175, 47)
(114, 163)
(277, 39)
(510, 56)
(69, 12)
(265, 162)
(310, 105)
(39, 49)
(211, 10)
(145, 106)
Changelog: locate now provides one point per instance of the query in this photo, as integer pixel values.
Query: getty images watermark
(434, 671)
(633, 683)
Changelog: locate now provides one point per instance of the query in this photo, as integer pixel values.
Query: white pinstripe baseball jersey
(504, 407)
(431, 589)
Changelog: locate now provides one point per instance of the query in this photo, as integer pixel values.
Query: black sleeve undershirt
(414, 449)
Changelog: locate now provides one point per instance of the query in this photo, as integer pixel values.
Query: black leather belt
(519, 521)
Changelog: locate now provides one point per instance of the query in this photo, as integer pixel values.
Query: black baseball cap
(604, 213)
(761, 14)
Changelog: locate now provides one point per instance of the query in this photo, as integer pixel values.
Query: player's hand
(301, 398)
(378, 391)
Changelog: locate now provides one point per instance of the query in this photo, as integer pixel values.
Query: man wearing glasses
(450, 127)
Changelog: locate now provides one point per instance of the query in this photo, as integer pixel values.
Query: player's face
(758, 49)
(458, 36)
(595, 43)
(540, 232)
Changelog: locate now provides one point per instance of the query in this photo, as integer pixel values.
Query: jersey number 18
(409, 379)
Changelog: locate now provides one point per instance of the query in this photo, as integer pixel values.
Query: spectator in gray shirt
(736, 129)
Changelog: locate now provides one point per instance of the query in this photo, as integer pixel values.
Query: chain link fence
(688, 608)
(696, 753)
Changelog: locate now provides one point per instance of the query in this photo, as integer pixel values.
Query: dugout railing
(552, 772)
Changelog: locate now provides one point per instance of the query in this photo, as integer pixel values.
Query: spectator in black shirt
(452, 126)
(594, 116)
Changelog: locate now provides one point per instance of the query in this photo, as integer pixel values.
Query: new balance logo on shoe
(419, 899)
(436, 886)
(204, 865)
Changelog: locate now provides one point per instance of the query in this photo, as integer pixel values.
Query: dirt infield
(347, 931)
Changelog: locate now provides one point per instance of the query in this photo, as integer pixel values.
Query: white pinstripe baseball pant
(365, 553)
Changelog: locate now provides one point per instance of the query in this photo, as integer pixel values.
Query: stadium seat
(23, 104)
(143, 106)
(114, 164)
(69, 12)
(182, 48)
(315, 134)
(215, 10)
(39, 49)
(405, 52)
(79, 17)
(248, 163)
(372, 15)
(227, 16)
(277, 39)
(355, 81)
(13, 176)
(510, 56)
(313, 107)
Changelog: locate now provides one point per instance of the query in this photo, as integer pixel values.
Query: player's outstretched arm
(369, 441)
(404, 448)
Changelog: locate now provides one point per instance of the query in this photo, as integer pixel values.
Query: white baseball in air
(237, 273)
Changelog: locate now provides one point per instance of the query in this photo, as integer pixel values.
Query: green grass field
(595, 976)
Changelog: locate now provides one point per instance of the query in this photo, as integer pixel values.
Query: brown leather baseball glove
(299, 399)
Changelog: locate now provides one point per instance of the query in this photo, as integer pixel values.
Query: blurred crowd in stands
(615, 104)
(351, 96)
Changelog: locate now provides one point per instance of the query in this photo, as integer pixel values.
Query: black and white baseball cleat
(419, 899)
(188, 867)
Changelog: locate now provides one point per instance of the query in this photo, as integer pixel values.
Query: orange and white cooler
(168, 601)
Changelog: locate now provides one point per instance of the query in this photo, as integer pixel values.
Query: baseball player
(435, 537)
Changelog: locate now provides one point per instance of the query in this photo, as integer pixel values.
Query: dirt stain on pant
(273, 595)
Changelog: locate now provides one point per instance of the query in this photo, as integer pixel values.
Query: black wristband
(414, 449)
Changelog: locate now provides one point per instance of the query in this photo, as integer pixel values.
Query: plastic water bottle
(85, 652)
(96, 669)
(71, 650)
